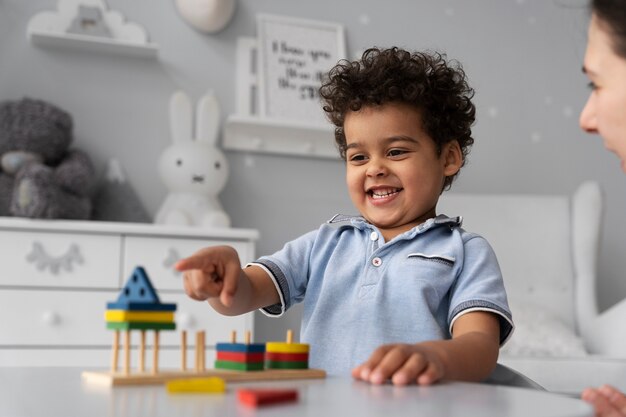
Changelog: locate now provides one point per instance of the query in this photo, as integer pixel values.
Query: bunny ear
(208, 119)
(180, 117)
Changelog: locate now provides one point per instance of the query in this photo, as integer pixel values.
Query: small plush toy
(192, 168)
(40, 177)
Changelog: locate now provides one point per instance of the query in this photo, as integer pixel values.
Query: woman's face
(605, 111)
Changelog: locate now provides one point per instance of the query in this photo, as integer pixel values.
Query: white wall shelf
(92, 43)
(275, 136)
(89, 25)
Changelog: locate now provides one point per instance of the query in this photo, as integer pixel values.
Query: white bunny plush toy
(193, 169)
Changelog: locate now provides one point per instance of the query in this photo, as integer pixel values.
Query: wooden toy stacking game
(240, 356)
(138, 307)
(289, 355)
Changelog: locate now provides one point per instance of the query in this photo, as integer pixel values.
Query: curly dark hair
(438, 88)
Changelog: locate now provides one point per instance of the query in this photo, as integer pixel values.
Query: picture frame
(247, 77)
(293, 57)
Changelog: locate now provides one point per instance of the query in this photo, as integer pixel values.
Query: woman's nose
(588, 120)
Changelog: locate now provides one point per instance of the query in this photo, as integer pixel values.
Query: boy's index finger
(194, 262)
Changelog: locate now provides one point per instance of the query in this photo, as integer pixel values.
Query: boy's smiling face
(393, 172)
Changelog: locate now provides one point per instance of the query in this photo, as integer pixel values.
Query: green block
(139, 325)
(286, 365)
(239, 366)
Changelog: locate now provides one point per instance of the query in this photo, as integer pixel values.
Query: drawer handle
(186, 321)
(42, 260)
(51, 318)
(172, 257)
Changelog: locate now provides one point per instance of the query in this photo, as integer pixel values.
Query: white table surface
(60, 392)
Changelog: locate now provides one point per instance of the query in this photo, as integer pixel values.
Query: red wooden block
(240, 356)
(286, 357)
(258, 397)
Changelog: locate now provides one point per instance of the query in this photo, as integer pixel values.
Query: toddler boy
(397, 292)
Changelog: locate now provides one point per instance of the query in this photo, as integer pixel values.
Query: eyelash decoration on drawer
(446, 260)
(42, 260)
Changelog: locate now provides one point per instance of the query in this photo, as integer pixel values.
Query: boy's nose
(588, 120)
(376, 169)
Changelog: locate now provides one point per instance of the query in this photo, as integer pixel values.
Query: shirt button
(374, 236)
(377, 262)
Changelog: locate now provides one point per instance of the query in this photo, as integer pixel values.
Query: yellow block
(200, 385)
(282, 347)
(145, 316)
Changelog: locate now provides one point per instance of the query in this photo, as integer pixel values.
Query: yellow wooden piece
(145, 316)
(200, 385)
(282, 347)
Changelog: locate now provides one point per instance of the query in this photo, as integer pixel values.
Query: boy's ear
(452, 157)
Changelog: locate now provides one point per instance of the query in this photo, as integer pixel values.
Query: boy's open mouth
(383, 192)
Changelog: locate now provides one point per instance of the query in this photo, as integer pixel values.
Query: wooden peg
(115, 351)
(127, 352)
(155, 357)
(142, 352)
(289, 336)
(233, 336)
(248, 334)
(202, 350)
(197, 353)
(183, 350)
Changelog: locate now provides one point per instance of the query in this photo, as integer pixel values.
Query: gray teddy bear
(40, 177)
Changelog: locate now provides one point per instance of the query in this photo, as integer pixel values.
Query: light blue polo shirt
(360, 292)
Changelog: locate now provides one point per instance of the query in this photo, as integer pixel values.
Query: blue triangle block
(138, 289)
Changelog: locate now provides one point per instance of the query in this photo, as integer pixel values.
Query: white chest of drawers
(57, 277)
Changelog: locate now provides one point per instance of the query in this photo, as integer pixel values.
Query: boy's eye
(591, 85)
(396, 152)
(357, 158)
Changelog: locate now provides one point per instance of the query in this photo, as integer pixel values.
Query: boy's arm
(255, 289)
(470, 355)
(214, 274)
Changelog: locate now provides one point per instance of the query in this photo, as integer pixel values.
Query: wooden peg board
(147, 378)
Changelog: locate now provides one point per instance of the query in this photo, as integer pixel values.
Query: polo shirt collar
(360, 223)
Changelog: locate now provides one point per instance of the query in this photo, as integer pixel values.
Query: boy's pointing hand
(210, 273)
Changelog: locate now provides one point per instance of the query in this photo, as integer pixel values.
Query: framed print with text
(293, 56)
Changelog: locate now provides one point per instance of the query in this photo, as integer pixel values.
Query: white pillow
(539, 333)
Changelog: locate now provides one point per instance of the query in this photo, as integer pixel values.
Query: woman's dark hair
(425, 80)
(613, 14)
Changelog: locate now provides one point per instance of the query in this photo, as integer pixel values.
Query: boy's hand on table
(403, 364)
(607, 401)
(211, 272)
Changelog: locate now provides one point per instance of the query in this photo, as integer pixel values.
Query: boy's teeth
(383, 193)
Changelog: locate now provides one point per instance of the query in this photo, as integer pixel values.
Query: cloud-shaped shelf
(89, 25)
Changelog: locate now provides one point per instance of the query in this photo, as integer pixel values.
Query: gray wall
(522, 56)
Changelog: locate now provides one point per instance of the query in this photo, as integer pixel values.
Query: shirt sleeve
(289, 270)
(480, 287)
